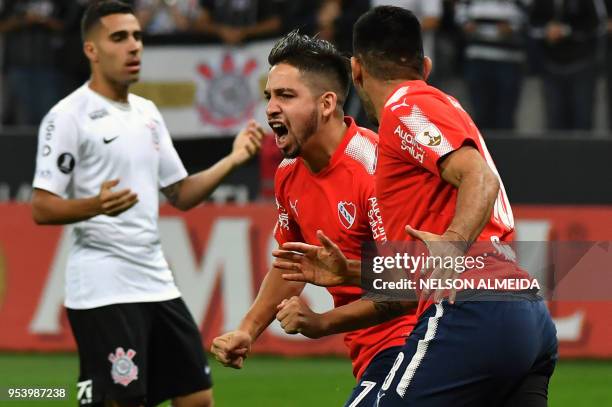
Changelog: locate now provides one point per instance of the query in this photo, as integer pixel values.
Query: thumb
(417, 234)
(110, 184)
(325, 241)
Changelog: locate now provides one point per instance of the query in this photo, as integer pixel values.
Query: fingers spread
(299, 247)
(286, 265)
(298, 278)
(328, 244)
(417, 234)
(288, 255)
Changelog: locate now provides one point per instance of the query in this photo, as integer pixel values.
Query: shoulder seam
(287, 162)
(362, 150)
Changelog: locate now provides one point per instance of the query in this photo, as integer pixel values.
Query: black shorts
(475, 354)
(364, 394)
(142, 352)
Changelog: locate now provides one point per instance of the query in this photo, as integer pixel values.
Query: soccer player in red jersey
(437, 183)
(325, 183)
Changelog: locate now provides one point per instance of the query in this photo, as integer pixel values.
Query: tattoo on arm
(172, 192)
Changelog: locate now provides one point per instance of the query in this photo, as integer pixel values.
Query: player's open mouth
(281, 131)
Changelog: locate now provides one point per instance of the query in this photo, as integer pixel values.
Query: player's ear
(427, 67)
(357, 72)
(329, 101)
(90, 50)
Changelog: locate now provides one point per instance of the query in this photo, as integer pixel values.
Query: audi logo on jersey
(347, 213)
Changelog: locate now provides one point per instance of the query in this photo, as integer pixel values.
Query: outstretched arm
(191, 191)
(233, 347)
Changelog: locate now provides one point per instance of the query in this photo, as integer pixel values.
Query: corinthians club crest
(347, 211)
(224, 97)
(124, 370)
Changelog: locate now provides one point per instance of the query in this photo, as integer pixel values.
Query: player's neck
(113, 91)
(323, 144)
(381, 92)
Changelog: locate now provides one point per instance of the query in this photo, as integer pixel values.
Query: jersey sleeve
(286, 229)
(171, 168)
(369, 206)
(58, 153)
(425, 131)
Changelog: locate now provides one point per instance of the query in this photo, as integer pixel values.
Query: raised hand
(323, 265)
(247, 143)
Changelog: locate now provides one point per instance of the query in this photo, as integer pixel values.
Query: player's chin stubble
(310, 127)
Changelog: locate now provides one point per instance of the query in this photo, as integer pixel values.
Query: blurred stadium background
(557, 172)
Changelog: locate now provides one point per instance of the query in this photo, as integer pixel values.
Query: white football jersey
(87, 139)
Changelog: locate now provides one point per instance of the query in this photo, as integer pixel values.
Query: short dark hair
(313, 55)
(389, 43)
(102, 8)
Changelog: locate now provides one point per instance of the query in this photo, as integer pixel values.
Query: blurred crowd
(493, 45)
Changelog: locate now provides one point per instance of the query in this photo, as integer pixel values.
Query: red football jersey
(340, 201)
(419, 125)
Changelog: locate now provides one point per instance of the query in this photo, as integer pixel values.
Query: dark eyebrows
(279, 91)
(124, 34)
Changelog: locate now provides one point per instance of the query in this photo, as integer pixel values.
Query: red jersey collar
(351, 130)
(411, 84)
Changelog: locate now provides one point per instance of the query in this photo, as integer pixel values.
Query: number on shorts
(391, 374)
(367, 387)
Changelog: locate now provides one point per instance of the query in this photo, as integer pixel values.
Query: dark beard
(310, 128)
(368, 106)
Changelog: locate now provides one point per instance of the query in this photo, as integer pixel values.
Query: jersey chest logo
(109, 139)
(293, 206)
(152, 125)
(124, 370)
(347, 211)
